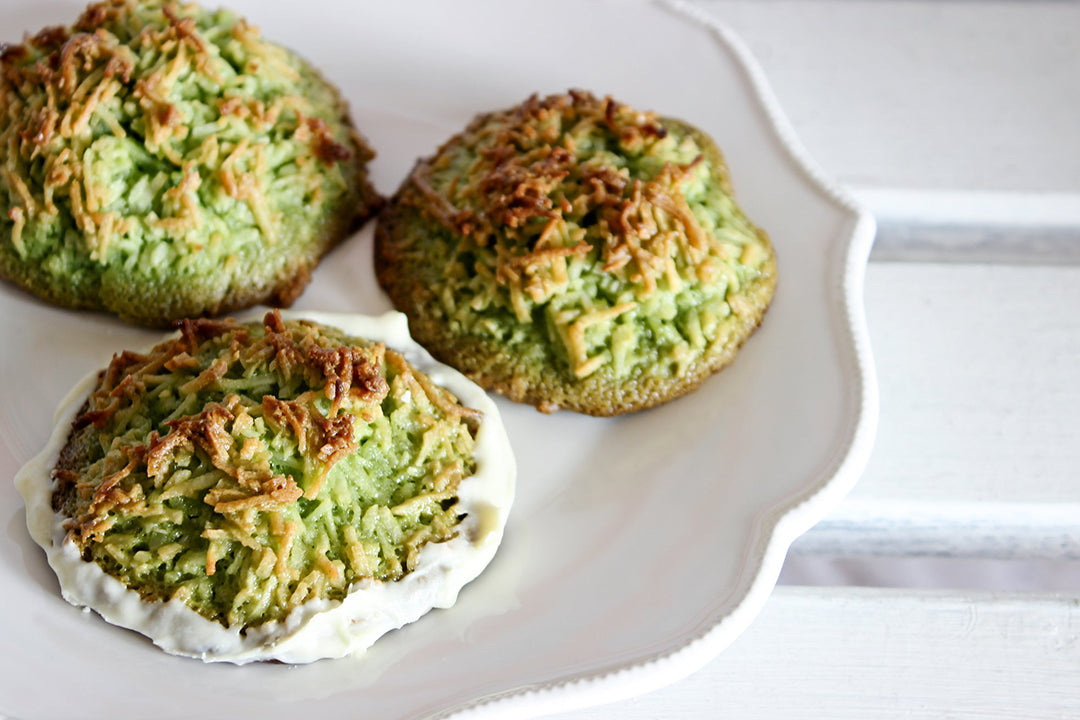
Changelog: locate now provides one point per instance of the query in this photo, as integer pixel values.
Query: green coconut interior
(244, 470)
(155, 140)
(583, 231)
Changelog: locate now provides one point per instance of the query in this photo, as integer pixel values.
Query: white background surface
(639, 546)
(956, 121)
(952, 95)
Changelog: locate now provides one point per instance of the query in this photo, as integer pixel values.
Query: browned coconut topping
(285, 456)
(155, 137)
(582, 238)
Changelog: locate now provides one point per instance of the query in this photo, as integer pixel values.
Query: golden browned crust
(346, 371)
(488, 365)
(247, 469)
(403, 227)
(51, 106)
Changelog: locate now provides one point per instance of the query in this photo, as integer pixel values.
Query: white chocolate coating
(319, 628)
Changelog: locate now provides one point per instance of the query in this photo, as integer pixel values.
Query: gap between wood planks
(1040, 575)
(973, 227)
(983, 540)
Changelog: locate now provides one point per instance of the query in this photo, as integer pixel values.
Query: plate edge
(648, 674)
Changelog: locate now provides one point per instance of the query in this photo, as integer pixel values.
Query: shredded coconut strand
(65, 88)
(166, 493)
(568, 186)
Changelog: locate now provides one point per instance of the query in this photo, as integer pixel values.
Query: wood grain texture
(860, 654)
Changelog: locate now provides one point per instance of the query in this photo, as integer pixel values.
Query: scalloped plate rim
(661, 669)
(686, 654)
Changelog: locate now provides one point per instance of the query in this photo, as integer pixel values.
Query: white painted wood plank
(978, 448)
(862, 654)
(941, 95)
(980, 382)
(973, 208)
(902, 526)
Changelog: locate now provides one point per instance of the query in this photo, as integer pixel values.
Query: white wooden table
(958, 124)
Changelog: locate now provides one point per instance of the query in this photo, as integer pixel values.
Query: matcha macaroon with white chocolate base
(285, 490)
(160, 161)
(573, 252)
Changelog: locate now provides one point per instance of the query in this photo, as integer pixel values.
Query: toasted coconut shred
(83, 72)
(156, 137)
(259, 474)
(594, 214)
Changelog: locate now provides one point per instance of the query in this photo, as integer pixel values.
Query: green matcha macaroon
(246, 470)
(161, 161)
(573, 252)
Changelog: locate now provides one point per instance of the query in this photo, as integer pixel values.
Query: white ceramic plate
(639, 547)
